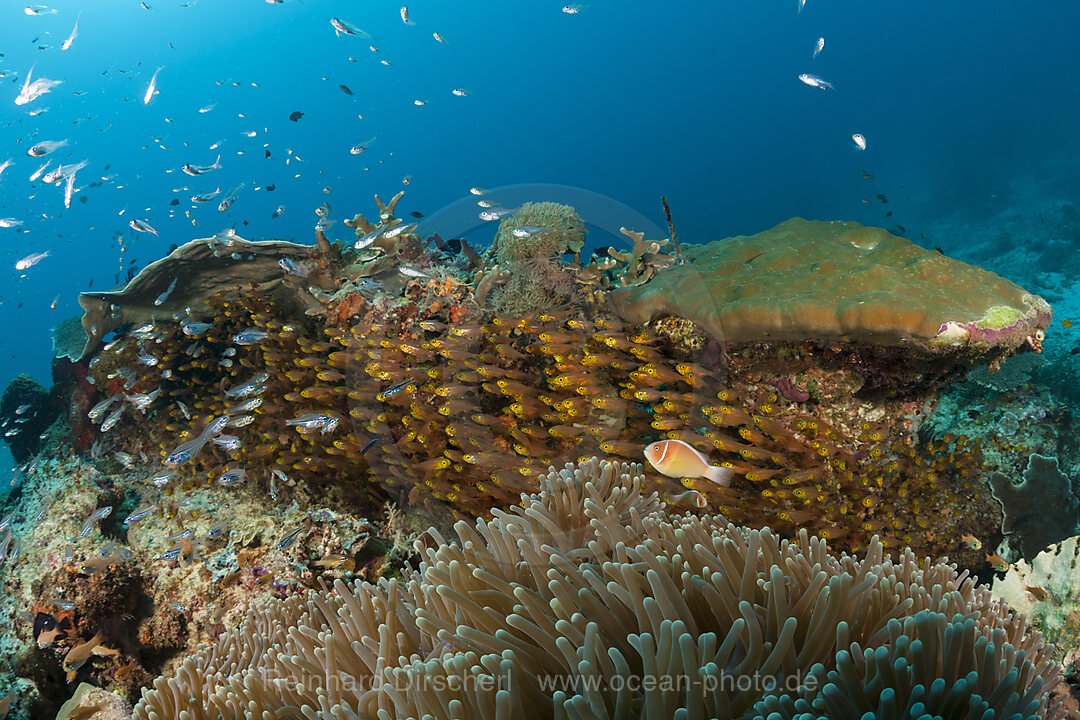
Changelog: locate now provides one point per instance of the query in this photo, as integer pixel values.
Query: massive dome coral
(837, 281)
(591, 601)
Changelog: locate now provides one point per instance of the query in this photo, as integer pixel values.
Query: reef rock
(183, 280)
(838, 282)
(26, 410)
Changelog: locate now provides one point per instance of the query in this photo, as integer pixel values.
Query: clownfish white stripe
(676, 458)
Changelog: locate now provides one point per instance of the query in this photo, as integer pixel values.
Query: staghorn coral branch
(388, 208)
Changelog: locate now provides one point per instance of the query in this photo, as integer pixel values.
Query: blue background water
(696, 100)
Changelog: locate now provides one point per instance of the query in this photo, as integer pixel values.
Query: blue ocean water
(698, 101)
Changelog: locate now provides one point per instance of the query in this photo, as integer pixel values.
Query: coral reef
(447, 407)
(463, 417)
(1041, 509)
(26, 410)
(591, 579)
(288, 419)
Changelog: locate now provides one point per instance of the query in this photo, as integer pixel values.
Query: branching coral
(643, 260)
(591, 582)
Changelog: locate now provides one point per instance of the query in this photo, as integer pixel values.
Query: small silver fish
(205, 197)
(33, 90)
(142, 400)
(314, 421)
(37, 173)
(495, 214)
(112, 419)
(142, 226)
(412, 272)
(151, 89)
(31, 260)
(74, 31)
(232, 477)
(125, 459)
(163, 478)
(244, 407)
(45, 147)
(230, 198)
(199, 170)
(292, 267)
(815, 81)
(139, 514)
(361, 147)
(400, 230)
(250, 336)
(95, 412)
(343, 27)
(527, 231)
(227, 442)
(168, 291)
(193, 328)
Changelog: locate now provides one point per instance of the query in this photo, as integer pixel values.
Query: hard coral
(592, 579)
(184, 279)
(808, 280)
(1047, 590)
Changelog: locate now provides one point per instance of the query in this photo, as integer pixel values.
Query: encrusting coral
(590, 601)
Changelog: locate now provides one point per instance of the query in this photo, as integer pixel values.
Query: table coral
(183, 280)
